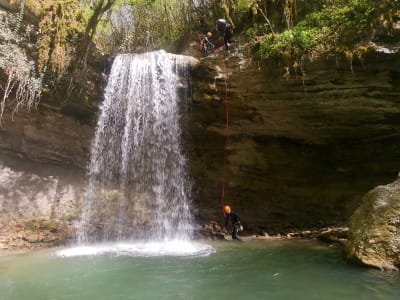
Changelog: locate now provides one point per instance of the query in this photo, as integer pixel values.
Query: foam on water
(145, 249)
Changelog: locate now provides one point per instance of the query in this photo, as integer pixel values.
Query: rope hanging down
(226, 134)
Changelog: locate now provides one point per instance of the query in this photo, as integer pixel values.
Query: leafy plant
(31, 226)
(144, 25)
(22, 81)
(336, 26)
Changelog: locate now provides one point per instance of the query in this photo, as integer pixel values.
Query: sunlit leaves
(144, 25)
(333, 26)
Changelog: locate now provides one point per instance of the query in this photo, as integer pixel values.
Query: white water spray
(138, 185)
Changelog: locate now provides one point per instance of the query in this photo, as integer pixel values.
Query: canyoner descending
(138, 186)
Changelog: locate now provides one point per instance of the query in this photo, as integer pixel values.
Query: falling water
(138, 185)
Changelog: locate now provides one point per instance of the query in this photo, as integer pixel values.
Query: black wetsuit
(235, 220)
(225, 29)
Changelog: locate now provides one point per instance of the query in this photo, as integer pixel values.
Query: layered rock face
(302, 150)
(374, 237)
(47, 136)
(43, 156)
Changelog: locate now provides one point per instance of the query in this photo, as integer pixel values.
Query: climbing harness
(226, 133)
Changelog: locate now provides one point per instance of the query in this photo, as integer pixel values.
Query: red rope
(226, 134)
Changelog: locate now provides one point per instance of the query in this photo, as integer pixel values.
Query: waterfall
(138, 185)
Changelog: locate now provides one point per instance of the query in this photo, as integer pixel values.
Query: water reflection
(251, 270)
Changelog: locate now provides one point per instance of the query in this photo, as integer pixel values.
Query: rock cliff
(302, 150)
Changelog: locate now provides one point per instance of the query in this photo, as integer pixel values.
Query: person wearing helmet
(206, 45)
(225, 30)
(235, 221)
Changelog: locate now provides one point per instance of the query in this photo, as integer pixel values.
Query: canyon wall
(301, 151)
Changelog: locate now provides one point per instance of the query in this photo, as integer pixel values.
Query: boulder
(374, 229)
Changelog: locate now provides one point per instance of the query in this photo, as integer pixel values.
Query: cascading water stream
(138, 185)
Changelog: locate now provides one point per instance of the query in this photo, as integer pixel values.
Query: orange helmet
(227, 209)
(209, 34)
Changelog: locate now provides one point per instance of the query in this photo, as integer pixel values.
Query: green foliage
(338, 26)
(346, 23)
(68, 28)
(61, 24)
(257, 30)
(31, 226)
(22, 87)
(295, 41)
(144, 25)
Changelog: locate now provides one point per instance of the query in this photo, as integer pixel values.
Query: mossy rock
(374, 229)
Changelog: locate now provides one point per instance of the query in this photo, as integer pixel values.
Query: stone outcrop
(374, 228)
(43, 155)
(35, 234)
(39, 204)
(27, 196)
(47, 136)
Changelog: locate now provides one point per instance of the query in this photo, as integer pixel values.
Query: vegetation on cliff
(21, 81)
(50, 50)
(341, 27)
(56, 43)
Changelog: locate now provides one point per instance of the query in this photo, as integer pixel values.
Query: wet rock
(374, 236)
(35, 194)
(35, 234)
(337, 235)
(331, 235)
(211, 230)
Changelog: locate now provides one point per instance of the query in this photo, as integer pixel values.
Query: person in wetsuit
(206, 45)
(235, 221)
(225, 30)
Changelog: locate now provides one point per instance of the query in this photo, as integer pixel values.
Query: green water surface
(249, 270)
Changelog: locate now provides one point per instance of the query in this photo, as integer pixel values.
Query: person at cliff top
(205, 44)
(225, 30)
(235, 221)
